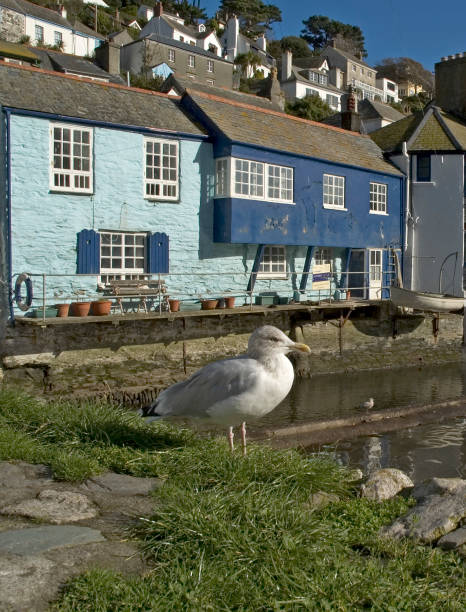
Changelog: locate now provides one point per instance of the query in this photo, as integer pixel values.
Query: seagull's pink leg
(243, 437)
(231, 435)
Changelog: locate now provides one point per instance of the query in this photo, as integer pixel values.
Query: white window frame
(334, 191)
(161, 181)
(284, 176)
(222, 177)
(210, 65)
(378, 198)
(171, 55)
(72, 179)
(191, 61)
(332, 101)
(226, 184)
(110, 251)
(266, 264)
(57, 38)
(38, 29)
(322, 256)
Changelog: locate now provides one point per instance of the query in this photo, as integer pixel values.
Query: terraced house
(215, 194)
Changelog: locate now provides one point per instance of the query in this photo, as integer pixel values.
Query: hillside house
(20, 19)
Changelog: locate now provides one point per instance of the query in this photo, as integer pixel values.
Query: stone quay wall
(136, 355)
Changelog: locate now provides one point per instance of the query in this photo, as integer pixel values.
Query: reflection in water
(422, 452)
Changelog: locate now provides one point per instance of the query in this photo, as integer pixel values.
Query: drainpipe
(408, 211)
(8, 208)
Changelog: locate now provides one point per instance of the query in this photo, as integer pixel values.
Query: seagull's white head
(269, 340)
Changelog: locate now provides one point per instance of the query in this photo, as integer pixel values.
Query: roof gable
(428, 130)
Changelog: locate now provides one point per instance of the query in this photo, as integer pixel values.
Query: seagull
(367, 404)
(231, 391)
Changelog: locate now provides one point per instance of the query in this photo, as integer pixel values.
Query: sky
(423, 30)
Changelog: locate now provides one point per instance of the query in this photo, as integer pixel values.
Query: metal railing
(341, 286)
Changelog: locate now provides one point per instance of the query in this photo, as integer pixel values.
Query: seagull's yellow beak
(302, 348)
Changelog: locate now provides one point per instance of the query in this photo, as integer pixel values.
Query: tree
(297, 46)
(247, 62)
(320, 30)
(400, 69)
(310, 107)
(189, 12)
(255, 17)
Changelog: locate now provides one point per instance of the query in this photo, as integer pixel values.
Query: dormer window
(201, 27)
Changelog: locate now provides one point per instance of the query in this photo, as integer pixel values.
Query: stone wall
(138, 353)
(12, 25)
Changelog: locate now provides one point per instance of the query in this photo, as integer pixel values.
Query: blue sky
(421, 29)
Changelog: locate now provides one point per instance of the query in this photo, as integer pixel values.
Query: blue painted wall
(307, 222)
(45, 225)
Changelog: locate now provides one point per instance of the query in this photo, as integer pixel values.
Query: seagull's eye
(274, 339)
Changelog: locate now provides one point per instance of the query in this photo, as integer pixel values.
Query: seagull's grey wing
(216, 382)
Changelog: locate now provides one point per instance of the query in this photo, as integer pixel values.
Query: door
(375, 274)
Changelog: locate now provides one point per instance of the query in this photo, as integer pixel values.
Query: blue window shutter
(158, 252)
(88, 252)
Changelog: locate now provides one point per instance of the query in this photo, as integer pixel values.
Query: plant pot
(80, 309)
(50, 311)
(209, 304)
(348, 295)
(230, 302)
(174, 305)
(100, 308)
(62, 310)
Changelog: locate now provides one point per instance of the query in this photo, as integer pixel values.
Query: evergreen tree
(310, 107)
(320, 30)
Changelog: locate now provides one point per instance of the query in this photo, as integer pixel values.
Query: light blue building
(105, 182)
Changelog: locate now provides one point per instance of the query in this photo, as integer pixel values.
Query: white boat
(433, 302)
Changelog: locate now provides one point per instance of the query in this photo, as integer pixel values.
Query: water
(422, 452)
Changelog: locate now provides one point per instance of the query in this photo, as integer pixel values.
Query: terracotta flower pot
(174, 305)
(100, 308)
(62, 310)
(209, 304)
(230, 301)
(80, 309)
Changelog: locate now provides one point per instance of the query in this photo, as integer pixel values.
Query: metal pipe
(8, 204)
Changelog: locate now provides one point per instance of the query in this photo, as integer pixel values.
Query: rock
(24, 582)
(437, 486)
(431, 518)
(21, 474)
(385, 484)
(321, 499)
(355, 475)
(121, 484)
(454, 539)
(55, 507)
(41, 539)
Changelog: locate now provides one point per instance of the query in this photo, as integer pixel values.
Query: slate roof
(34, 10)
(371, 109)
(348, 56)
(182, 45)
(429, 130)
(63, 62)
(278, 131)
(181, 85)
(38, 90)
(188, 30)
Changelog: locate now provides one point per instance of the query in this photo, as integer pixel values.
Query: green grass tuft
(227, 532)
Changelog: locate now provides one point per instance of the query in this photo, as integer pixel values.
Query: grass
(232, 533)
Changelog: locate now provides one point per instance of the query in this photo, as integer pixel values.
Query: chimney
(231, 38)
(158, 9)
(62, 11)
(350, 119)
(450, 84)
(287, 62)
(261, 42)
(108, 57)
(272, 90)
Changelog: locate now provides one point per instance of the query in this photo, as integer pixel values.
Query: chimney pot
(158, 9)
